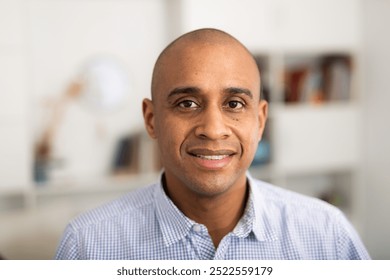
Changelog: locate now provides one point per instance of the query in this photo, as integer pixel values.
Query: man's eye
(188, 104)
(235, 104)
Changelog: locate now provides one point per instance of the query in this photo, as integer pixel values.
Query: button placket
(202, 242)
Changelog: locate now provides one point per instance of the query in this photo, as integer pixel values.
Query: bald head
(193, 40)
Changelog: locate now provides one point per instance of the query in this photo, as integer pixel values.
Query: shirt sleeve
(68, 249)
(349, 244)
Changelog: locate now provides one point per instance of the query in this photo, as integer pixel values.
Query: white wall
(66, 33)
(278, 24)
(15, 156)
(377, 129)
(45, 46)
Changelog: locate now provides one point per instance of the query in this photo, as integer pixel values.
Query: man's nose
(213, 124)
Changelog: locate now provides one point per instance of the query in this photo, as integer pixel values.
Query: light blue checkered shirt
(277, 224)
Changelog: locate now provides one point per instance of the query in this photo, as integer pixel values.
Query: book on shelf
(126, 155)
(294, 83)
(134, 154)
(323, 79)
(337, 77)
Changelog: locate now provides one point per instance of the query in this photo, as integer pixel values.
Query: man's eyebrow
(196, 90)
(183, 90)
(238, 90)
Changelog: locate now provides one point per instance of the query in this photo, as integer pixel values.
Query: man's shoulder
(308, 227)
(127, 205)
(281, 199)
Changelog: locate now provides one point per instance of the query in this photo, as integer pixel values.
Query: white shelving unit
(315, 146)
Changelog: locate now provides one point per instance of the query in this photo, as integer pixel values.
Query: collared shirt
(276, 224)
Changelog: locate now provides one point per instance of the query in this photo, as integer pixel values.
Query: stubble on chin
(211, 185)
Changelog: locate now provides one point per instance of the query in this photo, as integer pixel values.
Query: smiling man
(207, 117)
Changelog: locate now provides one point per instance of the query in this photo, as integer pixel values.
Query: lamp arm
(44, 146)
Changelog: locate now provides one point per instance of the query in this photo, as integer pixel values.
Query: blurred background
(73, 75)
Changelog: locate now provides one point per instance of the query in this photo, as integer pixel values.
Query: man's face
(207, 117)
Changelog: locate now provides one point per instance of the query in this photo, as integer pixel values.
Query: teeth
(213, 157)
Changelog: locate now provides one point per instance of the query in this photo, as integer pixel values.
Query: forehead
(207, 65)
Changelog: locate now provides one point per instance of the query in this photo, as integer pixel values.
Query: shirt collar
(175, 225)
(256, 216)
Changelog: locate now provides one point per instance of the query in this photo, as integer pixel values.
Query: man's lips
(212, 159)
(211, 154)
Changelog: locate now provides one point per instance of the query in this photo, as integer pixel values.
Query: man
(207, 117)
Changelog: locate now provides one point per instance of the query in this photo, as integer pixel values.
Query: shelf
(13, 191)
(101, 185)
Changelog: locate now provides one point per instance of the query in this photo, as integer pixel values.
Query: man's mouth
(212, 159)
(211, 154)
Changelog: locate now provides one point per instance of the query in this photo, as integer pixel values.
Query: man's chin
(213, 185)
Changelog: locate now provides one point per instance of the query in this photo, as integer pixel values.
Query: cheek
(249, 134)
(252, 142)
(170, 135)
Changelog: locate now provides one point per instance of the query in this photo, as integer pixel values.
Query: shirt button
(197, 228)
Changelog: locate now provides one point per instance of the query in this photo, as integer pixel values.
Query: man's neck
(220, 213)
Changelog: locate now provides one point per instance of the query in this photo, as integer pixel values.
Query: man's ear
(263, 114)
(148, 112)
